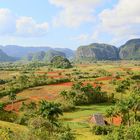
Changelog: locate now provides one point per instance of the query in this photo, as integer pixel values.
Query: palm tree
(111, 113)
(23, 80)
(1, 106)
(77, 86)
(124, 107)
(50, 111)
(135, 104)
(64, 94)
(122, 87)
(12, 97)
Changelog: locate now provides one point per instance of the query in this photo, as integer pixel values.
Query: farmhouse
(97, 119)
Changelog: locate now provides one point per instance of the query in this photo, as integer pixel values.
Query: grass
(85, 134)
(86, 111)
(18, 129)
(8, 74)
(78, 120)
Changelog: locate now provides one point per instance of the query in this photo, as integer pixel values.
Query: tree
(135, 104)
(122, 87)
(1, 106)
(50, 111)
(12, 97)
(111, 113)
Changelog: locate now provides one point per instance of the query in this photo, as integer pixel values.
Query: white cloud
(27, 26)
(75, 12)
(123, 20)
(12, 25)
(7, 22)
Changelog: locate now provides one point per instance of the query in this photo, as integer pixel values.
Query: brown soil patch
(104, 78)
(56, 76)
(16, 105)
(63, 84)
(55, 72)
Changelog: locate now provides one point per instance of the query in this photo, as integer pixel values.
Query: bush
(60, 62)
(125, 133)
(67, 135)
(67, 107)
(85, 94)
(101, 130)
(7, 116)
(6, 134)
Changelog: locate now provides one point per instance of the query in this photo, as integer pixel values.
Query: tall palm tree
(135, 104)
(64, 94)
(50, 111)
(12, 97)
(122, 87)
(77, 86)
(124, 107)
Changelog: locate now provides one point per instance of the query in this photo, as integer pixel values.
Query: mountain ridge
(22, 51)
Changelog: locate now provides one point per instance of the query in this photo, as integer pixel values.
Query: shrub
(125, 133)
(7, 116)
(101, 130)
(6, 134)
(67, 107)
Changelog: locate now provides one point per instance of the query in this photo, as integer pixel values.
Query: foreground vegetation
(109, 88)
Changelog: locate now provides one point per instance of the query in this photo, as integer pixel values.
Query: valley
(48, 84)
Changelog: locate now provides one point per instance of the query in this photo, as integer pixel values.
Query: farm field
(106, 75)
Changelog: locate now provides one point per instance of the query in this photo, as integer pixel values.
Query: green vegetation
(39, 102)
(81, 95)
(60, 62)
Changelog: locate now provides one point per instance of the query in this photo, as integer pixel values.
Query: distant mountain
(69, 53)
(130, 50)
(39, 56)
(94, 51)
(5, 58)
(97, 51)
(44, 56)
(20, 51)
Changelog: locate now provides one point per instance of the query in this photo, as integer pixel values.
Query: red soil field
(126, 69)
(49, 97)
(104, 78)
(56, 76)
(136, 69)
(16, 105)
(107, 78)
(63, 84)
(55, 72)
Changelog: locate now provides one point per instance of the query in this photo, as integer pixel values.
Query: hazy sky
(68, 23)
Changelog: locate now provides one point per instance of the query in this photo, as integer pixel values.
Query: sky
(68, 23)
